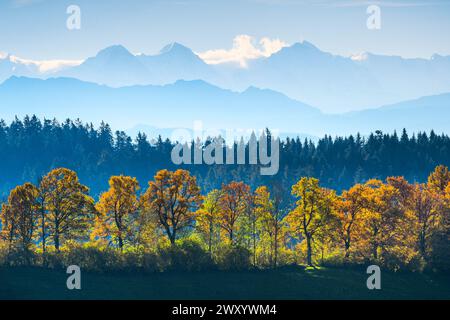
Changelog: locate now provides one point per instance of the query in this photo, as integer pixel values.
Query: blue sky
(36, 29)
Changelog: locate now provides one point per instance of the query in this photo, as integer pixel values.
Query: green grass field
(323, 283)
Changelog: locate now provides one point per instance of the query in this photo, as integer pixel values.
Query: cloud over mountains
(301, 71)
(243, 50)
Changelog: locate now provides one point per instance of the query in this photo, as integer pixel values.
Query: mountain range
(303, 72)
(180, 104)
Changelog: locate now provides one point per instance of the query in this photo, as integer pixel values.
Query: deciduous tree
(172, 197)
(118, 210)
(349, 209)
(313, 210)
(439, 179)
(270, 212)
(208, 219)
(233, 204)
(68, 206)
(19, 216)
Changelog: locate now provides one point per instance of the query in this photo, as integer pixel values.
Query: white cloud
(45, 66)
(360, 57)
(3, 55)
(243, 50)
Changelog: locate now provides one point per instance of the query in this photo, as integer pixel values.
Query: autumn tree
(233, 204)
(386, 215)
(439, 179)
(424, 210)
(118, 209)
(19, 216)
(312, 212)
(440, 239)
(250, 226)
(42, 219)
(349, 209)
(405, 191)
(269, 211)
(9, 225)
(69, 208)
(208, 219)
(172, 197)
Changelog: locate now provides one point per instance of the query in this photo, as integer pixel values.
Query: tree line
(31, 147)
(394, 223)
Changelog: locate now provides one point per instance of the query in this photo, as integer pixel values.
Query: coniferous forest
(31, 147)
(75, 194)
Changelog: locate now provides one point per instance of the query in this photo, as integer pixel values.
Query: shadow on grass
(290, 283)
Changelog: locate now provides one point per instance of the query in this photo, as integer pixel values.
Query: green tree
(312, 212)
(208, 219)
(270, 213)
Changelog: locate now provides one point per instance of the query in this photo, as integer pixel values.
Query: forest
(31, 147)
(171, 225)
(74, 194)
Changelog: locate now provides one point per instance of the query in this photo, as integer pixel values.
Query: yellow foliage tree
(384, 217)
(118, 210)
(312, 212)
(349, 210)
(68, 207)
(19, 216)
(425, 215)
(208, 219)
(269, 212)
(439, 179)
(172, 198)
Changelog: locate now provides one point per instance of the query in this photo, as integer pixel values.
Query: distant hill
(176, 105)
(426, 113)
(179, 104)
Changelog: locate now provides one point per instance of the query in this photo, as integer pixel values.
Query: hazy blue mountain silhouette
(174, 105)
(301, 71)
(333, 83)
(179, 104)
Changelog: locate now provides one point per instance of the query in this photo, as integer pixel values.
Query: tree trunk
(43, 231)
(211, 231)
(254, 245)
(309, 251)
(172, 237)
(56, 238)
(120, 242)
(347, 250)
(422, 245)
(275, 260)
(375, 251)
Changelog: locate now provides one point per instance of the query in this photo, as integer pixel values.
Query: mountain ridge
(180, 104)
(302, 71)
